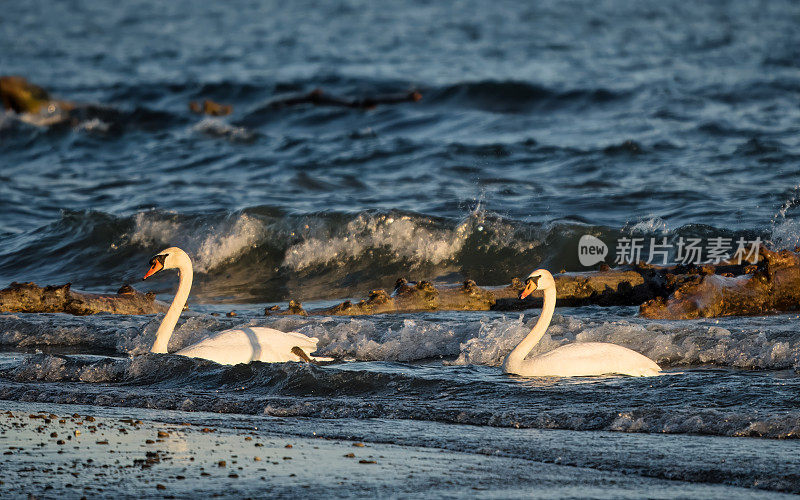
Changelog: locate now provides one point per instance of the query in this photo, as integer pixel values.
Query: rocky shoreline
(772, 285)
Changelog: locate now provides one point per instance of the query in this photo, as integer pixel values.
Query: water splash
(210, 244)
(401, 236)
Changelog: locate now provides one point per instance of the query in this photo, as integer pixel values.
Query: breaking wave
(263, 253)
(210, 244)
(405, 237)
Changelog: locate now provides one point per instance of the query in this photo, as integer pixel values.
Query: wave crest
(403, 237)
(210, 245)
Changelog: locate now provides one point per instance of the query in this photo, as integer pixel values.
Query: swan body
(228, 347)
(243, 345)
(588, 359)
(571, 360)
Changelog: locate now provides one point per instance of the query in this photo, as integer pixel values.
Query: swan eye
(158, 259)
(156, 264)
(535, 280)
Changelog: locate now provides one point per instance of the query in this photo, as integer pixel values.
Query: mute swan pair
(228, 347)
(571, 360)
(248, 344)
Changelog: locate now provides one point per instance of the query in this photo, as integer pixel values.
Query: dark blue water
(539, 123)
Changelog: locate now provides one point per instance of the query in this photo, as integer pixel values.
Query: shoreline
(181, 455)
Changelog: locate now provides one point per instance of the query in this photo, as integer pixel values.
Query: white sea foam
(209, 245)
(648, 226)
(219, 128)
(785, 228)
(103, 331)
(785, 233)
(154, 227)
(488, 341)
(94, 125)
(365, 340)
(478, 340)
(403, 236)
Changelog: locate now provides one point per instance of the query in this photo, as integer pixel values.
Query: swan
(228, 347)
(571, 360)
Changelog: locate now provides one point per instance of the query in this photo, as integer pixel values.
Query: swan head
(540, 279)
(170, 258)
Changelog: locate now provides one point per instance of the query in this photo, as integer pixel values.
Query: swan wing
(246, 344)
(589, 359)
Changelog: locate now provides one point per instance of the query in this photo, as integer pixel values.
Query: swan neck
(529, 342)
(173, 313)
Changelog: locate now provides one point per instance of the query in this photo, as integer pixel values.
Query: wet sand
(70, 451)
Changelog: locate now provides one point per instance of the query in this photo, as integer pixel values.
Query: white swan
(228, 347)
(571, 360)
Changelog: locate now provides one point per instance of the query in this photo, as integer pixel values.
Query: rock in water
(31, 298)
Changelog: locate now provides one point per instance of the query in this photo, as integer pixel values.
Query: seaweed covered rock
(605, 288)
(773, 285)
(294, 308)
(681, 292)
(34, 105)
(26, 99)
(609, 287)
(21, 96)
(211, 108)
(31, 298)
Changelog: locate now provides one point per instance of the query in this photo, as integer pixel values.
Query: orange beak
(156, 267)
(530, 287)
